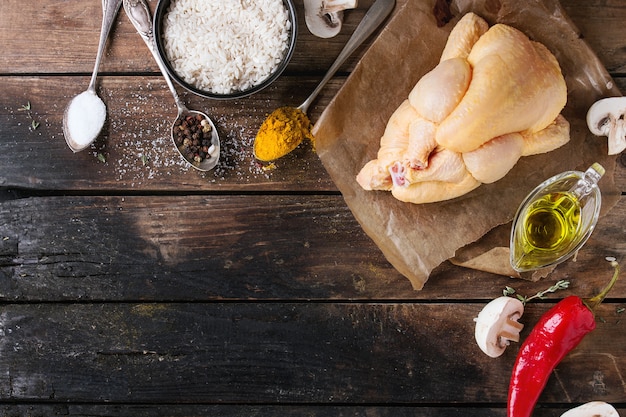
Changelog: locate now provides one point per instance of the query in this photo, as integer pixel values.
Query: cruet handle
(589, 181)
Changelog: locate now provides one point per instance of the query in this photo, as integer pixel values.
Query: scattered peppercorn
(192, 135)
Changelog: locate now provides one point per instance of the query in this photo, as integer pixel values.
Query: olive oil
(549, 227)
(556, 219)
(552, 222)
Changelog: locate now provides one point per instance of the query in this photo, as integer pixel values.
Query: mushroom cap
(600, 111)
(496, 325)
(324, 18)
(592, 409)
(606, 117)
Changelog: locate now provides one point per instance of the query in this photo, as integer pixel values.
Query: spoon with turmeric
(286, 127)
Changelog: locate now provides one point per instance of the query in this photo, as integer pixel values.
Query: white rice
(226, 46)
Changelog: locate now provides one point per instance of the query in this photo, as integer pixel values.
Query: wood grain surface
(132, 285)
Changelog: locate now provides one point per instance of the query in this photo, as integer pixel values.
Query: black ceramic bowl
(161, 12)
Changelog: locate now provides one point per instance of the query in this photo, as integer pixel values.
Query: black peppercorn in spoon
(191, 127)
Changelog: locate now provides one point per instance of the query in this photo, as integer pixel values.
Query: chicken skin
(494, 97)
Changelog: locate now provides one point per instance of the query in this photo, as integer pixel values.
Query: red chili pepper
(556, 333)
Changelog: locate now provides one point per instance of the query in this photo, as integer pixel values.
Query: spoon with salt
(139, 14)
(286, 127)
(85, 114)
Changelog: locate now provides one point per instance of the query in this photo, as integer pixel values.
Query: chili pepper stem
(593, 302)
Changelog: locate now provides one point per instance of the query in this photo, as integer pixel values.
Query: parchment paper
(417, 238)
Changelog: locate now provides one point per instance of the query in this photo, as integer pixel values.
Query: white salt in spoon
(85, 114)
(139, 14)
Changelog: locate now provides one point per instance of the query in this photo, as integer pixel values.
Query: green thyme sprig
(34, 124)
(560, 285)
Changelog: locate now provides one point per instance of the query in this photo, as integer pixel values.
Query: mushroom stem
(324, 18)
(510, 331)
(617, 136)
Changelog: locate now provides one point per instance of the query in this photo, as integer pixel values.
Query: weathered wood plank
(222, 410)
(26, 30)
(140, 113)
(236, 247)
(138, 303)
(600, 23)
(268, 353)
(182, 247)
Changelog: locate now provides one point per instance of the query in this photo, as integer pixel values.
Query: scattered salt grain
(85, 117)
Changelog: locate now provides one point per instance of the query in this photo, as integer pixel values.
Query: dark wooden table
(131, 285)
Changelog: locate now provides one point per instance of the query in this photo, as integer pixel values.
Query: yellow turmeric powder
(281, 133)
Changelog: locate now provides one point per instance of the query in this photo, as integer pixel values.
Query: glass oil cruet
(556, 219)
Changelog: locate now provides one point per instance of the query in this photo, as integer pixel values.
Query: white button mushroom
(606, 118)
(592, 409)
(325, 17)
(497, 326)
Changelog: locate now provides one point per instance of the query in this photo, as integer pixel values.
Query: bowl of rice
(225, 49)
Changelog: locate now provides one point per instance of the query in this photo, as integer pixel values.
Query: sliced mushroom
(497, 326)
(325, 17)
(606, 117)
(592, 409)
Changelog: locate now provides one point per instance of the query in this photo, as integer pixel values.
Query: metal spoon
(374, 16)
(77, 114)
(139, 14)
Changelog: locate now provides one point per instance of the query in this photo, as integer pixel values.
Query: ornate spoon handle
(139, 14)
